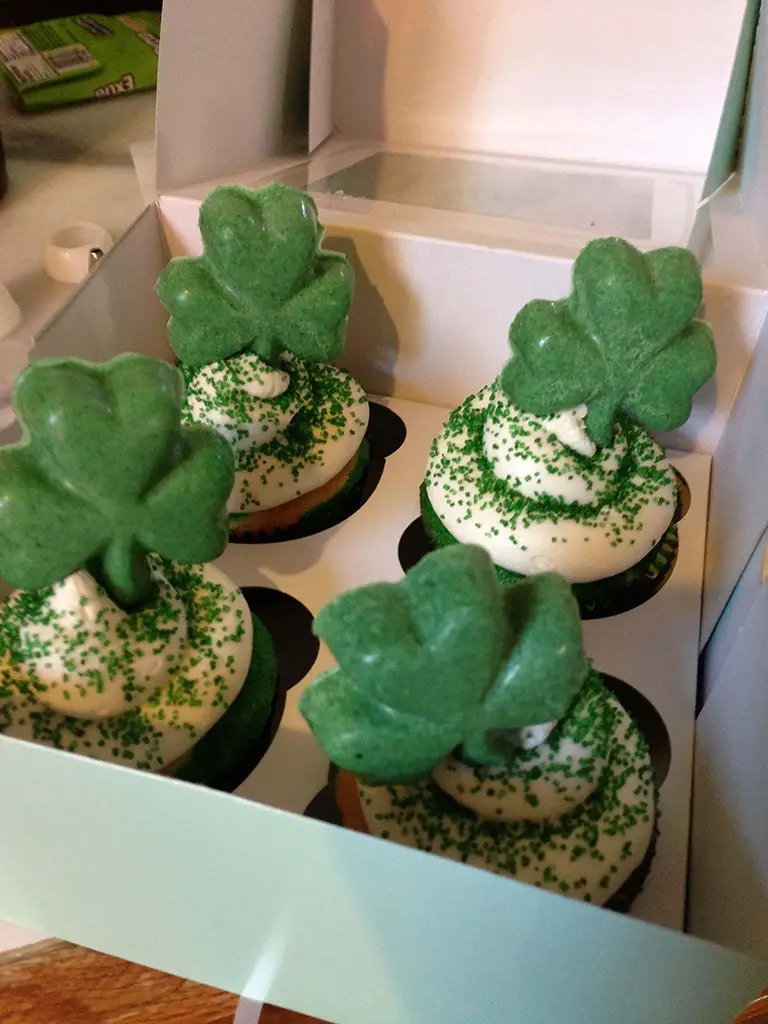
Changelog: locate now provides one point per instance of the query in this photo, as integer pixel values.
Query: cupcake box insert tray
(282, 907)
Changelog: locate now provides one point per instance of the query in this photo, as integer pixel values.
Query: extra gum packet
(91, 56)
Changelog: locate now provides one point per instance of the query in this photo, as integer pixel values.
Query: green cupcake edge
(225, 745)
(608, 596)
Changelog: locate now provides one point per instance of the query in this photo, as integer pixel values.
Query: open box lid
(656, 89)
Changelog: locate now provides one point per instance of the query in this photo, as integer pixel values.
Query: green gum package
(90, 56)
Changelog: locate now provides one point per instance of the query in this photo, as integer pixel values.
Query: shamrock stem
(123, 571)
(600, 417)
(476, 749)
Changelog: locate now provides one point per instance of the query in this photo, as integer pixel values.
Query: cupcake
(467, 722)
(119, 644)
(255, 322)
(551, 467)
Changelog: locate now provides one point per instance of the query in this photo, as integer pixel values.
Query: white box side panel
(321, 73)
(739, 498)
(640, 85)
(325, 920)
(729, 850)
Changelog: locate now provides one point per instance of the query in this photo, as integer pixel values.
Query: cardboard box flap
(630, 85)
(639, 86)
(326, 921)
(232, 86)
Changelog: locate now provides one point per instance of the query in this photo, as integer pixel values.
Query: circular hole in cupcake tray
(414, 544)
(386, 431)
(649, 722)
(289, 624)
(385, 434)
(618, 594)
(683, 496)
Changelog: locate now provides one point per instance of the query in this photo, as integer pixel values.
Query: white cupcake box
(493, 146)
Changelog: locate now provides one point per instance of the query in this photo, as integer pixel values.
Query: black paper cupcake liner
(235, 738)
(622, 900)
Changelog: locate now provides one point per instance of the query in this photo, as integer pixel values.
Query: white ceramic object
(69, 254)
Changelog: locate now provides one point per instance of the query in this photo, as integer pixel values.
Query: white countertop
(65, 165)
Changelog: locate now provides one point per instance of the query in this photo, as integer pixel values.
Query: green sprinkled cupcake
(255, 322)
(118, 645)
(551, 467)
(468, 723)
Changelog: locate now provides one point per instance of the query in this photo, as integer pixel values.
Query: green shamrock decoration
(626, 338)
(106, 473)
(446, 658)
(263, 284)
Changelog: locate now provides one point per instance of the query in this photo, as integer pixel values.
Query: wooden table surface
(57, 983)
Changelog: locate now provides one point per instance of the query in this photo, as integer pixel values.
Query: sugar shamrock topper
(263, 284)
(466, 722)
(104, 474)
(256, 322)
(445, 659)
(625, 339)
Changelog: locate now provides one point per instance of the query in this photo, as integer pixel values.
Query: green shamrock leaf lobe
(446, 658)
(106, 473)
(262, 284)
(626, 338)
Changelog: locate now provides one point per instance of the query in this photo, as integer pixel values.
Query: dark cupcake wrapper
(235, 739)
(625, 896)
(599, 598)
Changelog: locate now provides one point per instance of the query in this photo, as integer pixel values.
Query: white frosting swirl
(236, 397)
(77, 672)
(546, 781)
(288, 443)
(569, 427)
(588, 854)
(78, 653)
(533, 456)
(494, 472)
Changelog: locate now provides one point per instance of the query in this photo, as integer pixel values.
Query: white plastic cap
(68, 254)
